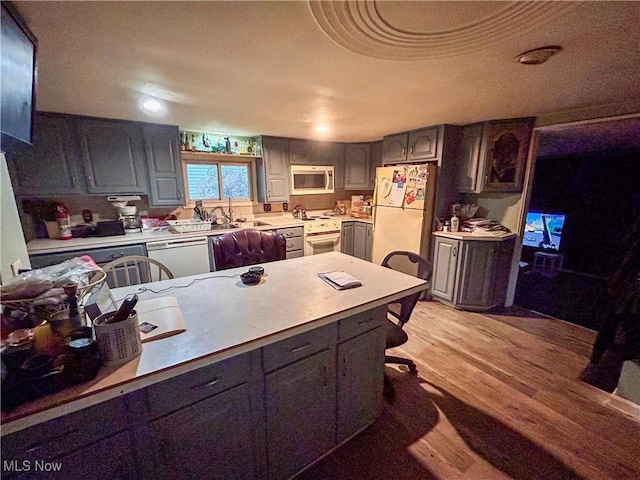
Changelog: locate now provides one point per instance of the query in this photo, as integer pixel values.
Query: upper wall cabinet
(415, 146)
(81, 155)
(376, 161)
(330, 153)
(51, 165)
(113, 156)
(161, 143)
(494, 156)
(357, 166)
(300, 152)
(273, 170)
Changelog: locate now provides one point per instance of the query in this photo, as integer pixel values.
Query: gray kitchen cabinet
(51, 165)
(471, 274)
(76, 443)
(162, 147)
(360, 240)
(357, 239)
(300, 152)
(210, 439)
(467, 174)
(394, 148)
(112, 153)
(357, 165)
(273, 170)
(376, 161)
(494, 156)
(330, 153)
(301, 415)
(445, 267)
(360, 378)
(346, 242)
(294, 241)
(413, 146)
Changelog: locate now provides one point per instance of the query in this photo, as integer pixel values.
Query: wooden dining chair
(133, 270)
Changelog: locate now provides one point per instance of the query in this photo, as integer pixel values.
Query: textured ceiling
(364, 69)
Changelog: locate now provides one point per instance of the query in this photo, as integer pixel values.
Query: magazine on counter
(340, 280)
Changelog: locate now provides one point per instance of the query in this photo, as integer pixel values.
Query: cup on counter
(118, 342)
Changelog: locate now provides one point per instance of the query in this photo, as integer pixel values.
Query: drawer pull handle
(344, 366)
(364, 322)
(289, 245)
(50, 440)
(117, 255)
(300, 348)
(210, 383)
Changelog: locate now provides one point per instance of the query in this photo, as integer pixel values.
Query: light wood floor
(496, 397)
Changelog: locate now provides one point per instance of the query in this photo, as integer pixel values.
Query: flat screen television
(544, 230)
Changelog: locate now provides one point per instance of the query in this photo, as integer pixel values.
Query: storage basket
(118, 342)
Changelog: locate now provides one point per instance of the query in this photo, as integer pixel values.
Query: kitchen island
(264, 381)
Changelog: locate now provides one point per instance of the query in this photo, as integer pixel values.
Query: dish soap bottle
(455, 223)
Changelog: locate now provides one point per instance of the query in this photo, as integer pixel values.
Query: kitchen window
(211, 180)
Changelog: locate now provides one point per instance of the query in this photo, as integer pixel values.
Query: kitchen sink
(224, 226)
(258, 223)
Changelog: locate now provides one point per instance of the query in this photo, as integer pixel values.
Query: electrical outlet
(267, 207)
(285, 207)
(15, 267)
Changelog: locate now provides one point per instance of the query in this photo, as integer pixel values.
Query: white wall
(12, 244)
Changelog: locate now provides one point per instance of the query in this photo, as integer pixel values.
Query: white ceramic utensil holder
(118, 342)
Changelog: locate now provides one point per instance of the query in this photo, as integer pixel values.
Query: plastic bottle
(64, 226)
(455, 223)
(447, 226)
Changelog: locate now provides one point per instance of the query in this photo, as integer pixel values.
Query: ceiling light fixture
(152, 104)
(538, 55)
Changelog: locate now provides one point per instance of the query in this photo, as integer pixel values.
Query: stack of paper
(340, 280)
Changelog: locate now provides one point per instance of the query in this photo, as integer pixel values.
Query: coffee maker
(128, 214)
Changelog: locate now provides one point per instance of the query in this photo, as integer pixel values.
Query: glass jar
(82, 361)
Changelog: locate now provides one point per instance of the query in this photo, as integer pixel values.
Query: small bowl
(258, 270)
(250, 278)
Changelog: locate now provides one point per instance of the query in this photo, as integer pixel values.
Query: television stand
(548, 264)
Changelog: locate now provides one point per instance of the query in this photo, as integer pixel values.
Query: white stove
(322, 234)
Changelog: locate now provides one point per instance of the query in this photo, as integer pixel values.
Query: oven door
(322, 243)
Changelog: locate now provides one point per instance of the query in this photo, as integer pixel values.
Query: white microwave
(311, 179)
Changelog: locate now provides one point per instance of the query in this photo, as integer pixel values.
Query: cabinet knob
(455, 251)
(179, 195)
(411, 150)
(404, 151)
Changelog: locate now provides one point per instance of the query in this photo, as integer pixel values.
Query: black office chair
(411, 264)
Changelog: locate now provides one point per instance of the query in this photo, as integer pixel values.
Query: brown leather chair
(247, 247)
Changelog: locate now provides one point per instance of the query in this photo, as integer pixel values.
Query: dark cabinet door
(347, 238)
(360, 380)
(394, 148)
(469, 174)
(165, 165)
(50, 166)
(300, 152)
(445, 268)
(423, 145)
(113, 156)
(357, 165)
(301, 415)
(360, 240)
(210, 439)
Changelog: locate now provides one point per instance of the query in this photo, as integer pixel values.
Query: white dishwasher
(183, 256)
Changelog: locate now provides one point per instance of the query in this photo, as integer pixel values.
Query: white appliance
(311, 179)
(183, 256)
(321, 235)
(403, 209)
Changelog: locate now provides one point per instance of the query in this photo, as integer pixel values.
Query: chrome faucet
(228, 218)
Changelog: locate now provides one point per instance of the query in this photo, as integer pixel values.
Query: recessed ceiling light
(152, 105)
(322, 129)
(538, 55)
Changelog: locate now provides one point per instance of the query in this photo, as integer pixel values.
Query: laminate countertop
(225, 318)
(47, 245)
(486, 237)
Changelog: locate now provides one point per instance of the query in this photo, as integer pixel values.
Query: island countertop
(225, 318)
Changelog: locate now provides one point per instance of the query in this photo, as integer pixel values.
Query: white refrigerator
(403, 209)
